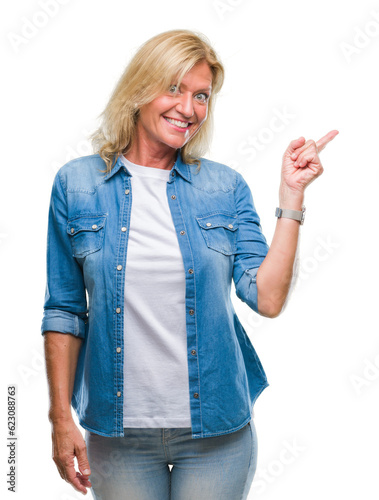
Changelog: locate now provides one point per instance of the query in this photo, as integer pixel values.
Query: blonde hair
(160, 62)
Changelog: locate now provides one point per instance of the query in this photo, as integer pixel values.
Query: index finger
(321, 143)
(75, 479)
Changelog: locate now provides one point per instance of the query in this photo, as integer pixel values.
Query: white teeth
(177, 123)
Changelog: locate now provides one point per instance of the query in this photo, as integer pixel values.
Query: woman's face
(171, 119)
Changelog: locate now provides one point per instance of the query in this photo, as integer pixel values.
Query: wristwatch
(291, 214)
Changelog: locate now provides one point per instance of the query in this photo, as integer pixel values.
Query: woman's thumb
(83, 463)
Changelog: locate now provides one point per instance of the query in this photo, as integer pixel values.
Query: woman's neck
(149, 157)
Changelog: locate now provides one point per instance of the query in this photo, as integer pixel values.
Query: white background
(317, 422)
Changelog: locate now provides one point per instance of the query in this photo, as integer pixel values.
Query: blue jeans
(136, 466)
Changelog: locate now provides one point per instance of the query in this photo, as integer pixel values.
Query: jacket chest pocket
(220, 231)
(87, 234)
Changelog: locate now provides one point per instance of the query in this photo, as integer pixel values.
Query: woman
(141, 336)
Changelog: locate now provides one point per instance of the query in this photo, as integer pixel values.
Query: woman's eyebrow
(209, 88)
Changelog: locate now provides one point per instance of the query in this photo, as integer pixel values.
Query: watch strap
(287, 213)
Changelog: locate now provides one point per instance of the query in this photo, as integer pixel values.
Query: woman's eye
(203, 97)
(173, 89)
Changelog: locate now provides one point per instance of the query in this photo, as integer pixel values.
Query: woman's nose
(185, 105)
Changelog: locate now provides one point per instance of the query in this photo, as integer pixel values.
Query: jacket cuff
(246, 288)
(55, 320)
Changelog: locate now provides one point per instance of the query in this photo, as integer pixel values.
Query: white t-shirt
(156, 387)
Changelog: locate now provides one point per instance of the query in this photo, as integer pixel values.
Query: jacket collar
(182, 168)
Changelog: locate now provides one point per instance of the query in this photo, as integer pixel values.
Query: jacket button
(94, 226)
(192, 312)
(127, 191)
(118, 394)
(231, 226)
(119, 267)
(72, 230)
(190, 271)
(118, 310)
(118, 349)
(173, 197)
(173, 174)
(193, 352)
(182, 232)
(209, 224)
(123, 229)
(196, 395)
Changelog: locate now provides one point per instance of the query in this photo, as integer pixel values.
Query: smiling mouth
(178, 123)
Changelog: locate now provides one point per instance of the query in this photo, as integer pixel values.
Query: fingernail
(86, 472)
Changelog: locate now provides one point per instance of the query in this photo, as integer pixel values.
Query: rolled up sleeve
(252, 246)
(65, 304)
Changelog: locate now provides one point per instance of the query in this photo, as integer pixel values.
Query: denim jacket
(220, 239)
